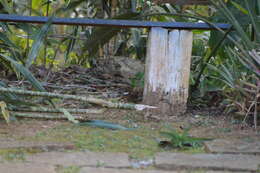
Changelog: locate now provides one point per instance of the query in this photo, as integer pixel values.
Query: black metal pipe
(110, 22)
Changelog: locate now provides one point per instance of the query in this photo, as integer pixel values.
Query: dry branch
(89, 99)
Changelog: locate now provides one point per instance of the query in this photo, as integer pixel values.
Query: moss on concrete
(69, 169)
(17, 154)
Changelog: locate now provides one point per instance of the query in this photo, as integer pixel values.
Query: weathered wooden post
(167, 70)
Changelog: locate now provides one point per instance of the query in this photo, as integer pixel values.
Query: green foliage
(69, 116)
(26, 73)
(242, 38)
(100, 36)
(138, 80)
(240, 73)
(5, 39)
(233, 72)
(71, 43)
(38, 40)
(13, 154)
(12, 99)
(183, 140)
(68, 169)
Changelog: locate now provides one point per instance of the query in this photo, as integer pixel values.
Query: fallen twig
(89, 99)
(50, 110)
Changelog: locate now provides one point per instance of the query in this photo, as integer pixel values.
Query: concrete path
(234, 146)
(60, 158)
(49, 162)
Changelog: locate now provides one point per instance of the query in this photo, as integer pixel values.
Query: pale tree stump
(167, 70)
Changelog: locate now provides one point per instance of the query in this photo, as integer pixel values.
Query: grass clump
(13, 154)
(69, 169)
(182, 140)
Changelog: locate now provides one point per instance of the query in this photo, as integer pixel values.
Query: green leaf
(13, 99)
(4, 111)
(253, 17)
(69, 116)
(183, 140)
(38, 40)
(8, 6)
(26, 73)
(5, 27)
(104, 124)
(239, 7)
(224, 77)
(8, 95)
(28, 28)
(7, 41)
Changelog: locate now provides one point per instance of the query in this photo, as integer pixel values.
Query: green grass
(69, 169)
(17, 154)
(13, 154)
(139, 143)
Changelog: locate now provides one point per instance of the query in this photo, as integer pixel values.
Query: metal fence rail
(110, 22)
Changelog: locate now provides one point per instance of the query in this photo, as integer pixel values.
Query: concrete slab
(44, 146)
(26, 168)
(221, 172)
(233, 146)
(228, 162)
(108, 170)
(99, 159)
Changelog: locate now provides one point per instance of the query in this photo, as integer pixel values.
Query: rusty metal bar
(109, 22)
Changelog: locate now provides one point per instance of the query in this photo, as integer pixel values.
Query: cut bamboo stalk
(45, 116)
(167, 70)
(89, 99)
(50, 110)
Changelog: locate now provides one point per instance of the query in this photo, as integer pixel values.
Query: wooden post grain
(167, 70)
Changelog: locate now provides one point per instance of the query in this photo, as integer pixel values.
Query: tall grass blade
(71, 44)
(239, 7)
(25, 72)
(38, 40)
(252, 14)
(223, 76)
(7, 41)
(232, 19)
(4, 111)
